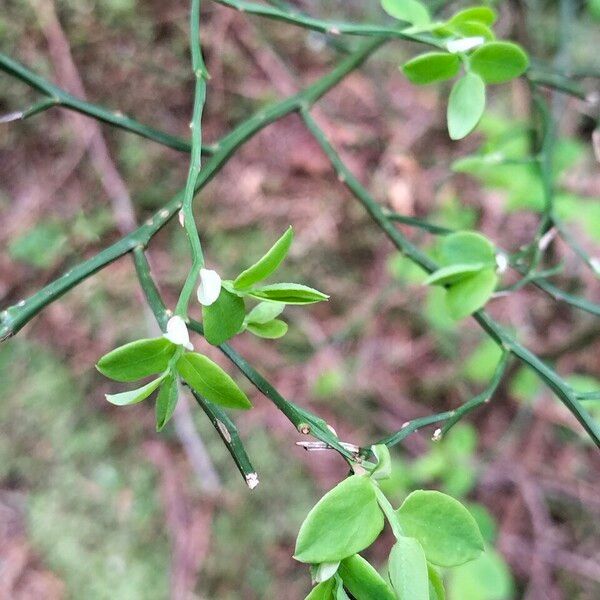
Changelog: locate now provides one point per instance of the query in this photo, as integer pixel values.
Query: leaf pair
(468, 272)
(227, 315)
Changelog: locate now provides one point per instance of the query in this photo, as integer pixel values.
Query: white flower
(209, 288)
(501, 262)
(177, 333)
(464, 45)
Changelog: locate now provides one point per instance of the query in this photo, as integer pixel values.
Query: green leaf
(467, 247)
(410, 11)
(470, 294)
(272, 330)
(472, 29)
(453, 273)
(444, 527)
(210, 381)
(137, 359)
(497, 62)
(363, 581)
(223, 318)
(436, 584)
(430, 67)
(134, 396)
(166, 401)
(268, 264)
(288, 293)
(324, 571)
(340, 592)
(265, 312)
(345, 521)
(322, 591)
(407, 568)
(466, 105)
(481, 14)
(383, 468)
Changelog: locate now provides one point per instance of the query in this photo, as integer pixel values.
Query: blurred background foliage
(94, 504)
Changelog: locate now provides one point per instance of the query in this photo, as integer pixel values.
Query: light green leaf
(363, 581)
(467, 247)
(268, 264)
(481, 14)
(166, 401)
(288, 293)
(431, 67)
(324, 571)
(264, 312)
(453, 273)
(340, 592)
(322, 591)
(465, 105)
(436, 584)
(345, 521)
(470, 294)
(137, 359)
(271, 331)
(383, 468)
(444, 527)
(209, 380)
(497, 62)
(410, 11)
(223, 318)
(472, 29)
(407, 569)
(134, 396)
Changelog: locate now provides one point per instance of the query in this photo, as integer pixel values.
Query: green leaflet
(466, 247)
(471, 294)
(407, 569)
(410, 11)
(436, 584)
(363, 581)
(134, 396)
(288, 293)
(272, 330)
(268, 264)
(498, 62)
(480, 14)
(264, 312)
(137, 359)
(432, 67)
(322, 591)
(224, 318)
(465, 105)
(324, 571)
(345, 521)
(210, 381)
(383, 468)
(453, 274)
(166, 401)
(444, 528)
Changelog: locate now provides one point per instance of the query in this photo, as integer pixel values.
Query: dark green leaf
(224, 318)
(444, 527)
(470, 294)
(410, 11)
(345, 521)
(272, 330)
(209, 380)
(408, 570)
(265, 312)
(467, 247)
(137, 359)
(497, 62)
(430, 67)
(268, 264)
(166, 401)
(288, 293)
(322, 591)
(465, 105)
(363, 581)
(453, 273)
(134, 396)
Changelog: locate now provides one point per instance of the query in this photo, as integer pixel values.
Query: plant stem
(388, 511)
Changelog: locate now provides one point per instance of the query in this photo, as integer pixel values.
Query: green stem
(494, 330)
(411, 426)
(60, 97)
(388, 511)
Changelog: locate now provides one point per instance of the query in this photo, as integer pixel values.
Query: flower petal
(464, 45)
(209, 288)
(177, 332)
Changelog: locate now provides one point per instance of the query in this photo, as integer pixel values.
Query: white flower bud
(209, 288)
(464, 45)
(177, 333)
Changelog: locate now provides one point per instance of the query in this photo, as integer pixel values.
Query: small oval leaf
(452, 274)
(481, 14)
(411, 11)
(264, 312)
(345, 521)
(363, 581)
(431, 67)
(134, 396)
(470, 294)
(224, 318)
(271, 331)
(166, 401)
(467, 247)
(407, 569)
(322, 591)
(465, 105)
(498, 62)
(210, 381)
(288, 293)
